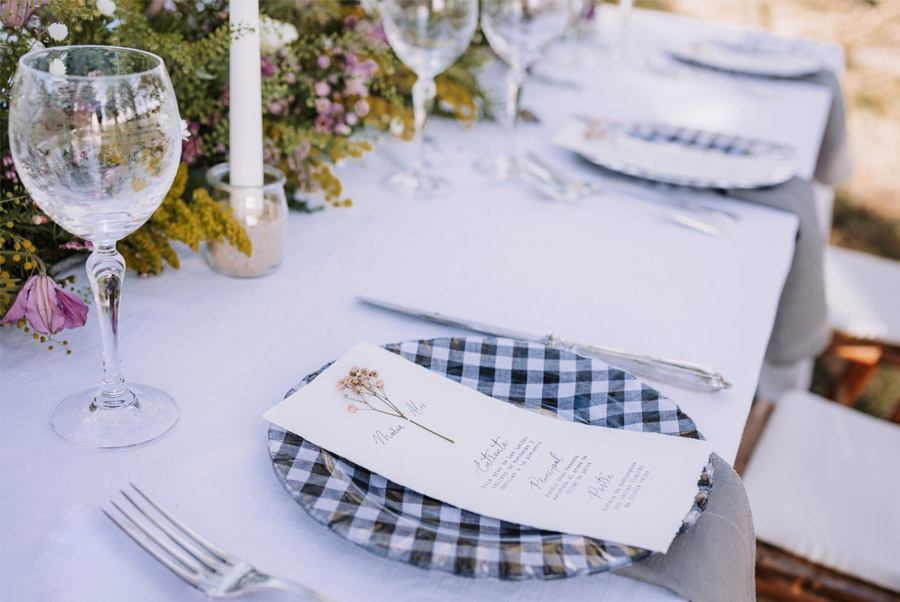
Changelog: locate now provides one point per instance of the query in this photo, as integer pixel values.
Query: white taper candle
(245, 96)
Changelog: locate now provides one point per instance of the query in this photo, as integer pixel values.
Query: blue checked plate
(680, 156)
(399, 523)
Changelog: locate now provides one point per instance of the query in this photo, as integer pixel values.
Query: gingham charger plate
(399, 523)
(682, 156)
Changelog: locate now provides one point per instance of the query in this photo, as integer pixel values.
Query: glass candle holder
(262, 211)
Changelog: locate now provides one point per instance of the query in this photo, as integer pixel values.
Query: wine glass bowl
(519, 30)
(427, 36)
(95, 136)
(98, 146)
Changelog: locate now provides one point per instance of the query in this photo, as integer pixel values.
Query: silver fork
(551, 182)
(185, 553)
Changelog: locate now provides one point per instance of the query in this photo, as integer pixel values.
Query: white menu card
(452, 443)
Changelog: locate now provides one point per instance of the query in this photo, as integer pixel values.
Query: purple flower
(323, 106)
(323, 123)
(48, 307)
(323, 61)
(267, 67)
(377, 33)
(356, 86)
(322, 89)
(361, 108)
(190, 147)
(78, 245)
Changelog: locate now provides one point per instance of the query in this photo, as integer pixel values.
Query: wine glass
(96, 139)
(427, 35)
(571, 48)
(518, 31)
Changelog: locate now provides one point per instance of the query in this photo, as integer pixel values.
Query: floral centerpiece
(328, 74)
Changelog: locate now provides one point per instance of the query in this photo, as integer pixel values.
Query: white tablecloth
(607, 270)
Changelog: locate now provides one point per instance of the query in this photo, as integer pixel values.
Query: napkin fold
(716, 558)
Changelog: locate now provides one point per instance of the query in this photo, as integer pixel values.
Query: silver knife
(686, 375)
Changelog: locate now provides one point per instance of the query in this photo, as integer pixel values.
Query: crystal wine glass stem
(106, 271)
(423, 93)
(514, 79)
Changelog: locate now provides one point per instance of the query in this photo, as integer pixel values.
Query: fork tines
(166, 538)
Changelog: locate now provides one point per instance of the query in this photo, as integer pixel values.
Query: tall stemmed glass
(96, 138)
(518, 31)
(427, 35)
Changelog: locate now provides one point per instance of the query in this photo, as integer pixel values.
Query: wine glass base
(78, 420)
(417, 184)
(501, 167)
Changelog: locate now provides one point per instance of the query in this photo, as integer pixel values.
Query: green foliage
(337, 77)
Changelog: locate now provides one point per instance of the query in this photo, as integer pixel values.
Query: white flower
(58, 31)
(106, 7)
(274, 35)
(57, 67)
(185, 130)
(397, 126)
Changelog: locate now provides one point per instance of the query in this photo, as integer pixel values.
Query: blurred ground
(867, 206)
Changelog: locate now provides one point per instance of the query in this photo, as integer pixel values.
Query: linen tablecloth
(607, 271)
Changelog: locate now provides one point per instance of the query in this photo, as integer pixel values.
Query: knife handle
(686, 375)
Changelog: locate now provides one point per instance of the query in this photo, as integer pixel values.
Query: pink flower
(323, 61)
(361, 108)
(48, 307)
(78, 245)
(323, 123)
(356, 86)
(322, 89)
(190, 147)
(323, 106)
(267, 68)
(352, 408)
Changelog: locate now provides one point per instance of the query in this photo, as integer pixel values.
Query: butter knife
(686, 375)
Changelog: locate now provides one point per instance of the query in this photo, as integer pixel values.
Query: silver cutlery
(540, 174)
(192, 558)
(687, 375)
(639, 191)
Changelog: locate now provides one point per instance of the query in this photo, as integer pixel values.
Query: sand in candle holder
(262, 211)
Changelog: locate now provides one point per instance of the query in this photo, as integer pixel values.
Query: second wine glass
(518, 31)
(428, 36)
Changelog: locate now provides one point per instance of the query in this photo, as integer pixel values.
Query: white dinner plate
(679, 155)
(759, 55)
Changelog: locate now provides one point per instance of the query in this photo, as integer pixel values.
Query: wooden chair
(806, 463)
(864, 311)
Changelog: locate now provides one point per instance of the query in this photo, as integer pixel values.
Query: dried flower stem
(363, 388)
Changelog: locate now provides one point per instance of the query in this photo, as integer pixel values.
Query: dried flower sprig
(363, 386)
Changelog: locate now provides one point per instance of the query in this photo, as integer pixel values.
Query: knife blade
(687, 375)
